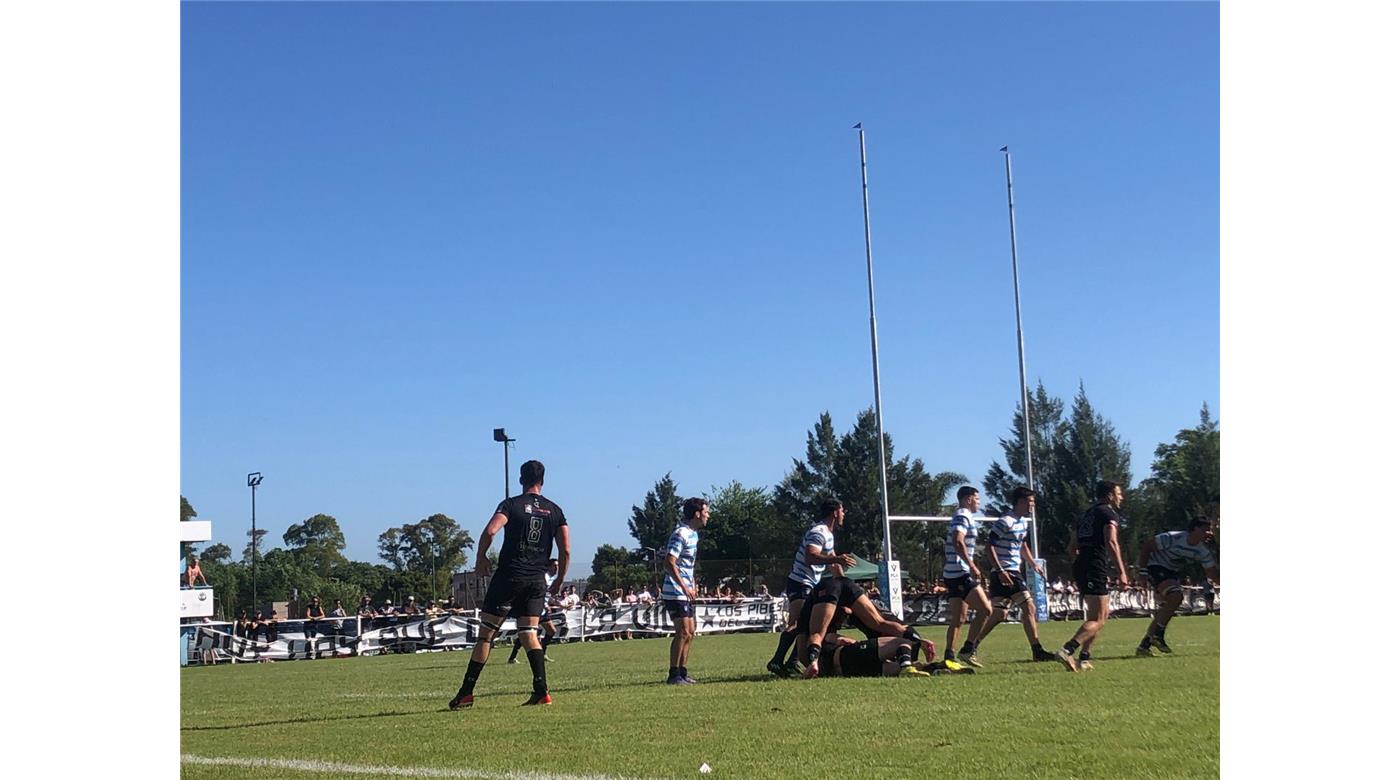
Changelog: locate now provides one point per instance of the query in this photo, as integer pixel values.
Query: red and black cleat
(460, 702)
(539, 698)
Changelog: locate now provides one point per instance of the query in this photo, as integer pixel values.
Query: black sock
(947, 654)
(673, 672)
(1146, 642)
(544, 643)
(905, 656)
(537, 667)
(813, 653)
(1161, 632)
(1035, 645)
(785, 641)
(1071, 646)
(514, 649)
(1084, 655)
(968, 648)
(684, 672)
(469, 681)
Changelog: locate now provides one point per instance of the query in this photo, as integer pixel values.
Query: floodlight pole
(1021, 353)
(875, 352)
(255, 479)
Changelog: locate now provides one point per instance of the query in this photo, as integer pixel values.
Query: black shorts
(1091, 575)
(999, 591)
(1160, 574)
(678, 609)
(797, 590)
(959, 587)
(861, 659)
(514, 595)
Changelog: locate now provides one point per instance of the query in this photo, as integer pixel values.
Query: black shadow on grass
(319, 719)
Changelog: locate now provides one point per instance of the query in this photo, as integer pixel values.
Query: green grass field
(1129, 717)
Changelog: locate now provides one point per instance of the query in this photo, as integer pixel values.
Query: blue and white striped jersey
(1173, 550)
(817, 536)
(953, 565)
(1006, 537)
(684, 542)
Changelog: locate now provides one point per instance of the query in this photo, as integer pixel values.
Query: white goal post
(1035, 581)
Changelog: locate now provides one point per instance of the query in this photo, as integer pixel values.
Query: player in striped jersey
(814, 554)
(963, 578)
(1007, 548)
(1159, 561)
(678, 592)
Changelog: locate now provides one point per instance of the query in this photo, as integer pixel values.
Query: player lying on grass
(1163, 555)
(877, 657)
(838, 594)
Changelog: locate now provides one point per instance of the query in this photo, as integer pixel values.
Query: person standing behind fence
(678, 592)
(816, 551)
(532, 524)
(338, 611)
(1159, 559)
(314, 613)
(1095, 547)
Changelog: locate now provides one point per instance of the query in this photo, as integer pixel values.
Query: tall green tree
(1086, 451)
(319, 541)
(1047, 420)
(848, 467)
(796, 498)
(186, 513)
(652, 522)
(424, 554)
(1185, 480)
(741, 524)
(253, 550)
(618, 567)
(215, 553)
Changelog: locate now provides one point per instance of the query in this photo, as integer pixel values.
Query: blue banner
(1042, 604)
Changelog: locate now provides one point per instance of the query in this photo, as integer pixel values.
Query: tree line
(1071, 453)
(759, 527)
(419, 559)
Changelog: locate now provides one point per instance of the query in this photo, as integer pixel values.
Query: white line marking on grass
(328, 767)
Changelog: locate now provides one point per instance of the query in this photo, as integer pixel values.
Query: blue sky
(631, 234)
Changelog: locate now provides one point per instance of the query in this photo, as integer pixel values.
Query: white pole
(1021, 353)
(875, 352)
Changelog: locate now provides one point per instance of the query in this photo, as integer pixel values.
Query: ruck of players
(988, 566)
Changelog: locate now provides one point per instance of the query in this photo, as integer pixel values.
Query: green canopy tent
(863, 570)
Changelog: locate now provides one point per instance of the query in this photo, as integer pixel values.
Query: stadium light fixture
(499, 434)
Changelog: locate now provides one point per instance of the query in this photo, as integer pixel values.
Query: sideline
(327, 767)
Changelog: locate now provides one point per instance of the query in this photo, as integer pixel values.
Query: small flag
(1003, 148)
(857, 126)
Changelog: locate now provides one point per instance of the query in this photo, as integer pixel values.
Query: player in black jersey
(880, 656)
(841, 596)
(532, 524)
(1096, 547)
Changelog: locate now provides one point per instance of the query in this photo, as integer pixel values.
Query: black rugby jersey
(531, 521)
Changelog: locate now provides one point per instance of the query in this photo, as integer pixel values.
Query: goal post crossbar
(933, 519)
